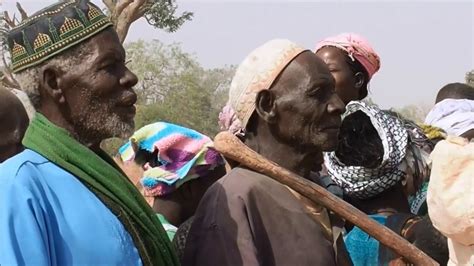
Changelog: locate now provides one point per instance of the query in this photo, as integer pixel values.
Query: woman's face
(336, 59)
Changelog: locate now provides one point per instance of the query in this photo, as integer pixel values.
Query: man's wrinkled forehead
(308, 70)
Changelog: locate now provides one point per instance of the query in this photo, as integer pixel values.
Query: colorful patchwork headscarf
(356, 47)
(402, 154)
(182, 155)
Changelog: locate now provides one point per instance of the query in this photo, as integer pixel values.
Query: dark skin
(299, 117)
(96, 100)
(180, 205)
(468, 135)
(350, 85)
(14, 121)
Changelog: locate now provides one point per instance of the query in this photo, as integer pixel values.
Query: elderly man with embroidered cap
(283, 96)
(63, 201)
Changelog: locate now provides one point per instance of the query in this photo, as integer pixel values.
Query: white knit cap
(257, 72)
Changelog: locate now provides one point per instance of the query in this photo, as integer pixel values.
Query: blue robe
(48, 217)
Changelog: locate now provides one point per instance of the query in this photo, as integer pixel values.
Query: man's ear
(265, 105)
(50, 83)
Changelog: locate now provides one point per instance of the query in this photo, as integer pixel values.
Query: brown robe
(246, 218)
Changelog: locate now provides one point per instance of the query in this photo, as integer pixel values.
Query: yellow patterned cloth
(433, 132)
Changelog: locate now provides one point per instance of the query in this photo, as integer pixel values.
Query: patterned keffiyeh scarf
(402, 155)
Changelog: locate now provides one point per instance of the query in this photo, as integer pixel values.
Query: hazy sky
(423, 45)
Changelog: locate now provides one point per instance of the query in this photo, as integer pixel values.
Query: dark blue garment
(364, 249)
(48, 217)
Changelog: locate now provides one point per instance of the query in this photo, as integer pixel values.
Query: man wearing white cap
(287, 110)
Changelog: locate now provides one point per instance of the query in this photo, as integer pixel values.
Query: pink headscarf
(357, 47)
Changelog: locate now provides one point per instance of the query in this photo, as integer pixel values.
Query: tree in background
(161, 14)
(416, 113)
(174, 87)
(470, 78)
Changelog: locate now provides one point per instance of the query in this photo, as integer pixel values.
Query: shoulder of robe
(21, 169)
(243, 181)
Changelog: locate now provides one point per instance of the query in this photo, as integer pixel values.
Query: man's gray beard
(98, 127)
(120, 129)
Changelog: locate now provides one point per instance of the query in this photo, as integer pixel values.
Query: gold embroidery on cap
(41, 41)
(69, 25)
(18, 50)
(93, 13)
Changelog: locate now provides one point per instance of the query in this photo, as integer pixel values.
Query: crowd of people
(169, 197)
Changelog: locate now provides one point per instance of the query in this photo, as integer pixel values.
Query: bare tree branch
(23, 13)
(120, 7)
(110, 4)
(126, 12)
(10, 22)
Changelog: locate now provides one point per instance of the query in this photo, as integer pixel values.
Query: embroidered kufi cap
(54, 30)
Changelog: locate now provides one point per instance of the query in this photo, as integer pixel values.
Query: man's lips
(129, 100)
(126, 105)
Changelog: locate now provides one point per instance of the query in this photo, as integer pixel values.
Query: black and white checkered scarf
(361, 182)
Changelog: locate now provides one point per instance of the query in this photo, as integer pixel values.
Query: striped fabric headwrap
(182, 155)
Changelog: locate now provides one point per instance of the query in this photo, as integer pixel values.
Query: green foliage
(174, 88)
(161, 14)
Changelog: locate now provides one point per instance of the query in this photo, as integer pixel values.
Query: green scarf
(101, 175)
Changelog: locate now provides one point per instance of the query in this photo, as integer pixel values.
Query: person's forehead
(315, 66)
(106, 44)
(307, 70)
(331, 52)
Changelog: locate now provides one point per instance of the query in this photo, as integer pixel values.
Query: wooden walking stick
(232, 148)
